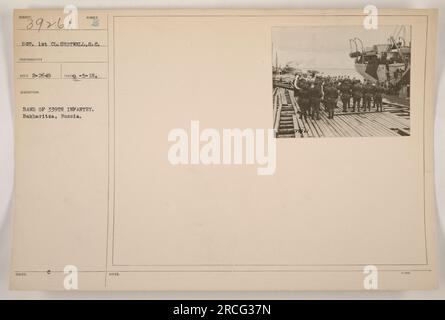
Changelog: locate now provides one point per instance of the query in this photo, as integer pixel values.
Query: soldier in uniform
(368, 90)
(378, 91)
(345, 90)
(303, 99)
(356, 95)
(325, 83)
(315, 94)
(372, 92)
(330, 98)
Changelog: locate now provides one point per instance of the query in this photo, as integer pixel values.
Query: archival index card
(224, 150)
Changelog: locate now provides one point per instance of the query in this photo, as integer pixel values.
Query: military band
(312, 91)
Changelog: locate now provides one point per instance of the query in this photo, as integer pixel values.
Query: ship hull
(379, 73)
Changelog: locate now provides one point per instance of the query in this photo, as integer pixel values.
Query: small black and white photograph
(341, 81)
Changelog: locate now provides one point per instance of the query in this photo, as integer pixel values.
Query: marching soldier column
(312, 90)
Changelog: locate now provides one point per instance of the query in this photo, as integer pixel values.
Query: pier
(394, 120)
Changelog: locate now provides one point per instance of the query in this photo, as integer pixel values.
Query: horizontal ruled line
(61, 30)
(231, 271)
(61, 46)
(61, 79)
(61, 61)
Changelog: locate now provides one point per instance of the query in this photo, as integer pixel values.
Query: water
(336, 72)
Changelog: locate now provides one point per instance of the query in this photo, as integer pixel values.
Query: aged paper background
(323, 214)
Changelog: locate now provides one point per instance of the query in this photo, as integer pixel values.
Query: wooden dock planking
(376, 127)
(387, 120)
(349, 124)
(354, 132)
(383, 126)
(324, 126)
(397, 119)
(333, 130)
(364, 126)
(380, 130)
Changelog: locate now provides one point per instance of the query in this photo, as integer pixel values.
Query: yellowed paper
(107, 197)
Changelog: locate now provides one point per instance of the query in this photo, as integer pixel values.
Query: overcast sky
(325, 47)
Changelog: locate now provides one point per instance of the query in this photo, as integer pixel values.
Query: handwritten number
(41, 23)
